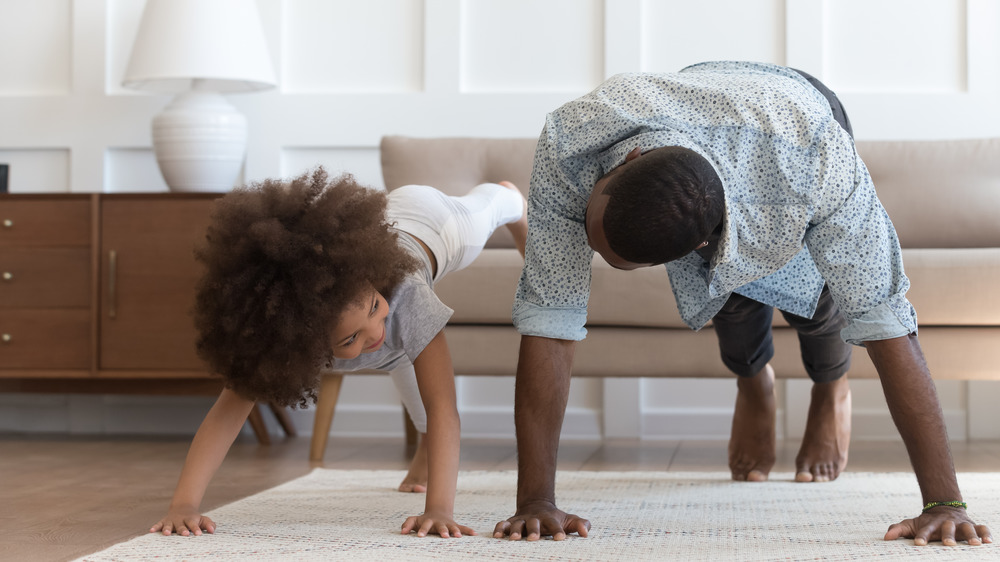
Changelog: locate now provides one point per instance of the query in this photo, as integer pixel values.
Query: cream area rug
(356, 515)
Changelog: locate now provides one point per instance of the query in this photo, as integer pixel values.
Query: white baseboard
(477, 423)
(692, 423)
(82, 414)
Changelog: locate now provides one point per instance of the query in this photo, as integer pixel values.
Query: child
(317, 273)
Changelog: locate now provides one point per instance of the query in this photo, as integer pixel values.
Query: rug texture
(356, 515)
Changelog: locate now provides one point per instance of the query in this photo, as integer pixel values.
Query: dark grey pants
(743, 326)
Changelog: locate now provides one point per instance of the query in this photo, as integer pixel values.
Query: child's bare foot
(823, 454)
(751, 443)
(416, 478)
(519, 228)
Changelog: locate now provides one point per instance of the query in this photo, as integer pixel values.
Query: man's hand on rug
(542, 519)
(435, 523)
(946, 524)
(184, 521)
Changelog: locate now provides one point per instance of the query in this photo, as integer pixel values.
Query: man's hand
(437, 523)
(541, 519)
(946, 524)
(184, 521)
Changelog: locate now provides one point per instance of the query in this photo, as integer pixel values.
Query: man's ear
(633, 154)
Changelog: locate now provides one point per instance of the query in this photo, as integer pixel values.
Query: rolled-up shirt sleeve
(552, 295)
(855, 248)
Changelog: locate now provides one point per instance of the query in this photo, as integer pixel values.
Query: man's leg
(823, 454)
(743, 327)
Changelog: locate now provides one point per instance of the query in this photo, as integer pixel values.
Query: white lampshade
(220, 42)
(200, 49)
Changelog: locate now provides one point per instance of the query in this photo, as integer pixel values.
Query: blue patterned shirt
(801, 209)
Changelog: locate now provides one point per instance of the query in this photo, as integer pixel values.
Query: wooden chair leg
(284, 420)
(326, 403)
(259, 427)
(411, 430)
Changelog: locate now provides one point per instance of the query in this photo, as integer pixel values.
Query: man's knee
(743, 328)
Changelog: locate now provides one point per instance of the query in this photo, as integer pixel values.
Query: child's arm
(210, 445)
(436, 380)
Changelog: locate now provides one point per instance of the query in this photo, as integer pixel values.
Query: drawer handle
(7, 276)
(7, 223)
(112, 284)
(6, 338)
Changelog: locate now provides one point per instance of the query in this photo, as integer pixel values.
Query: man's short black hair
(662, 206)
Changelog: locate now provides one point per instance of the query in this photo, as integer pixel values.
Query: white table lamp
(200, 49)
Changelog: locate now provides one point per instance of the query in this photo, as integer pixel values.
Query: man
(743, 179)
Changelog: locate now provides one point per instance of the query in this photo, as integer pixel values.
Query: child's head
(361, 327)
(284, 261)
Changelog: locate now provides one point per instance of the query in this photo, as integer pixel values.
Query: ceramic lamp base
(200, 142)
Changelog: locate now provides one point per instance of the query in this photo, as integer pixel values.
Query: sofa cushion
(939, 194)
(946, 223)
(483, 292)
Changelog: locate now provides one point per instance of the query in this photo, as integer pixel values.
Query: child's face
(361, 328)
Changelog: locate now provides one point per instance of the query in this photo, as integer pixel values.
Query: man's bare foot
(519, 228)
(751, 444)
(416, 477)
(823, 454)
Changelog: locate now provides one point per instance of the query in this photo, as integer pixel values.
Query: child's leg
(519, 228)
(454, 228)
(405, 380)
(485, 208)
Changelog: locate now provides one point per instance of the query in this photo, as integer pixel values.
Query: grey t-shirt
(416, 315)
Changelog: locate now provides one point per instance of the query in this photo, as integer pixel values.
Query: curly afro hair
(283, 260)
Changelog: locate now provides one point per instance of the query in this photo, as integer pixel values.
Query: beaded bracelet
(955, 503)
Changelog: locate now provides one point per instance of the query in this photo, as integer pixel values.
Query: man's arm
(540, 395)
(912, 399)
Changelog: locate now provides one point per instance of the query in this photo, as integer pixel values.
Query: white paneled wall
(351, 71)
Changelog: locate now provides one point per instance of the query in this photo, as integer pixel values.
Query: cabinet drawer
(44, 221)
(44, 339)
(45, 278)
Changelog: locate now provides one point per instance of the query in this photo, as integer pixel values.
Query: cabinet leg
(259, 427)
(329, 390)
(284, 420)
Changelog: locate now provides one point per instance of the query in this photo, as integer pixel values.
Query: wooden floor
(61, 498)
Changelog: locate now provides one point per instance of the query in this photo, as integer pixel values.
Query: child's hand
(435, 523)
(183, 521)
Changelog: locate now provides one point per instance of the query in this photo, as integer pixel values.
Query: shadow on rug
(355, 515)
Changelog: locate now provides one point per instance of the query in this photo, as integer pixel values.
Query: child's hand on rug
(437, 523)
(942, 523)
(184, 521)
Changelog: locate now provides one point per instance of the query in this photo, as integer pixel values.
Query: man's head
(656, 207)
(285, 262)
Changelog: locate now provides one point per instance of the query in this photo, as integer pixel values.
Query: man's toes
(756, 476)
(817, 473)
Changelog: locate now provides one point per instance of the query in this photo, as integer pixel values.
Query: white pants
(455, 229)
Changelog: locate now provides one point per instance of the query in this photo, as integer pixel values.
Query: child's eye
(350, 341)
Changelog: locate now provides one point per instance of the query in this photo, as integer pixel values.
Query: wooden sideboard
(97, 292)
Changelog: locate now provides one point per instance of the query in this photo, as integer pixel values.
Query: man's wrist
(957, 504)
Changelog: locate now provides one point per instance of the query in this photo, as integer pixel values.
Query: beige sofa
(943, 197)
